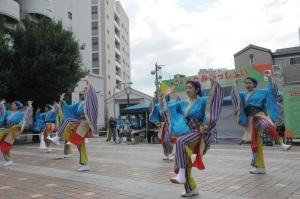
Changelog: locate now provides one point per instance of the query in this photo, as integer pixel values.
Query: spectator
(112, 129)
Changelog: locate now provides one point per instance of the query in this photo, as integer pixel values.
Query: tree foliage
(6, 63)
(43, 62)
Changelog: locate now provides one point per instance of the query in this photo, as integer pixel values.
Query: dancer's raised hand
(212, 76)
(62, 96)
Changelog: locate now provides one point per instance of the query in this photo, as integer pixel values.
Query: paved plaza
(137, 171)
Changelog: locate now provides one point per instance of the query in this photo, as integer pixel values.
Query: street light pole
(127, 99)
(156, 79)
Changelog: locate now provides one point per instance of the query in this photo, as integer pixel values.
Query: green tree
(6, 64)
(45, 62)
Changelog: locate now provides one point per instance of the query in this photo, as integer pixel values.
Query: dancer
(157, 119)
(76, 130)
(201, 115)
(59, 121)
(256, 110)
(39, 123)
(50, 121)
(170, 124)
(15, 122)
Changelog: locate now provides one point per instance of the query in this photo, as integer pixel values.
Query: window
(294, 60)
(107, 16)
(95, 44)
(95, 60)
(117, 58)
(108, 61)
(117, 19)
(117, 44)
(251, 59)
(108, 46)
(70, 15)
(94, 12)
(107, 31)
(117, 32)
(94, 28)
(118, 71)
(109, 92)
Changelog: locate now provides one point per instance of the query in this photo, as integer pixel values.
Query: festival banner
(225, 78)
(292, 110)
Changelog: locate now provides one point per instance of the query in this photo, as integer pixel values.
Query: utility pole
(158, 77)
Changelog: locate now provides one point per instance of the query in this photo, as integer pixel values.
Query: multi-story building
(285, 61)
(76, 17)
(110, 46)
(36, 9)
(14, 10)
(10, 12)
(115, 52)
(288, 62)
(252, 55)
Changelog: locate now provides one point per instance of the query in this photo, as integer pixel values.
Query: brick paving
(137, 171)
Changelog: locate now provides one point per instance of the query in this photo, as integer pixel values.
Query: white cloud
(186, 35)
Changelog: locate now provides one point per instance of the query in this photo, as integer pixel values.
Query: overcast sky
(186, 35)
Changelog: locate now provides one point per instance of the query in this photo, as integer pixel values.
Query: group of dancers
(188, 124)
(72, 123)
(185, 124)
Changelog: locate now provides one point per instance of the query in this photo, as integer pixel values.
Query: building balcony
(118, 77)
(118, 71)
(118, 64)
(117, 39)
(117, 51)
(117, 18)
(37, 8)
(117, 26)
(117, 32)
(117, 11)
(10, 9)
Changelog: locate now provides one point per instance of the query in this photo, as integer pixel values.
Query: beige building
(110, 46)
(115, 46)
(252, 55)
